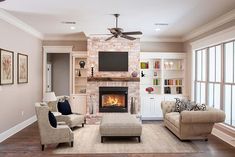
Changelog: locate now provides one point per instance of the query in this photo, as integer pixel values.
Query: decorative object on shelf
(134, 74)
(142, 74)
(155, 73)
(82, 64)
(22, 68)
(144, 65)
(167, 90)
(79, 73)
(92, 70)
(156, 81)
(83, 91)
(7, 67)
(149, 90)
(157, 65)
(133, 110)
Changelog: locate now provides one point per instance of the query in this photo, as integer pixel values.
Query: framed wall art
(22, 68)
(7, 67)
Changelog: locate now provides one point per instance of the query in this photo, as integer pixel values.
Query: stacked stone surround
(99, 44)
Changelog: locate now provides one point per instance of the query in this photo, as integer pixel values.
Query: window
(229, 82)
(215, 85)
(201, 75)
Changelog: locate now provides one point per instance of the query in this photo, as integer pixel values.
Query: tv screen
(113, 61)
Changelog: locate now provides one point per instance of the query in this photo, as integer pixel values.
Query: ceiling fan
(118, 32)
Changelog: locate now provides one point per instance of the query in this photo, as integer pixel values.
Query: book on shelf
(144, 65)
(156, 81)
(173, 82)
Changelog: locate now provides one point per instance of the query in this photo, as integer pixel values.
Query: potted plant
(149, 89)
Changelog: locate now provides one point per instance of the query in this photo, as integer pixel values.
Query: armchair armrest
(212, 116)
(167, 107)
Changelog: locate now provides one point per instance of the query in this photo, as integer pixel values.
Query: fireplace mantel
(119, 79)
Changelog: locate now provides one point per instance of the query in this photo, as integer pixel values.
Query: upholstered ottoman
(120, 125)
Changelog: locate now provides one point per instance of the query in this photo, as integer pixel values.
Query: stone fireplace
(113, 99)
(112, 79)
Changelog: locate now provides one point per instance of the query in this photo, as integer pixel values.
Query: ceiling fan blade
(127, 37)
(109, 38)
(100, 34)
(132, 33)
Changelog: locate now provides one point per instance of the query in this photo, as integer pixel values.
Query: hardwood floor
(26, 144)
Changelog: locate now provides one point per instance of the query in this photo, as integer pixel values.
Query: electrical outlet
(22, 113)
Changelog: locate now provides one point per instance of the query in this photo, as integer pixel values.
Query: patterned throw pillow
(189, 105)
(177, 105)
(200, 107)
(181, 105)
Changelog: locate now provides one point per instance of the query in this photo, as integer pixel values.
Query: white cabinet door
(78, 103)
(151, 107)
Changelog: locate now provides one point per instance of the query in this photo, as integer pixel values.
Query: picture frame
(6, 67)
(22, 68)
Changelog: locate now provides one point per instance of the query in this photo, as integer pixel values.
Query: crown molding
(162, 39)
(4, 15)
(64, 37)
(211, 25)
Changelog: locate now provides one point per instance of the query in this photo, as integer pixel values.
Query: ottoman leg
(139, 140)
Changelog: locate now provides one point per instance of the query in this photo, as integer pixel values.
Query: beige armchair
(189, 125)
(48, 134)
(71, 120)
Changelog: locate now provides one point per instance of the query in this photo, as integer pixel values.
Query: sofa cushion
(64, 107)
(52, 119)
(173, 118)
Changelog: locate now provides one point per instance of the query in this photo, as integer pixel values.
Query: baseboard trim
(8, 133)
(224, 135)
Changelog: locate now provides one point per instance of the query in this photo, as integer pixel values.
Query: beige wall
(18, 98)
(161, 47)
(79, 45)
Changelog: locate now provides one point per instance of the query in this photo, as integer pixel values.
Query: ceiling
(94, 16)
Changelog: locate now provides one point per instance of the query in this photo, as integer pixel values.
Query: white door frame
(56, 49)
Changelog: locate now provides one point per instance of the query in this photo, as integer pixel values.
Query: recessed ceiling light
(157, 29)
(72, 27)
(69, 22)
(159, 25)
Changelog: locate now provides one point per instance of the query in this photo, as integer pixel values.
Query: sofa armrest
(167, 107)
(213, 116)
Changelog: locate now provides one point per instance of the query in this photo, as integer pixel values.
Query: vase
(82, 64)
(134, 74)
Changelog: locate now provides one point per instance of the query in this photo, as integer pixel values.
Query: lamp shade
(49, 96)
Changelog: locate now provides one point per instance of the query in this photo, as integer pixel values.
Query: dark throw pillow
(52, 119)
(64, 107)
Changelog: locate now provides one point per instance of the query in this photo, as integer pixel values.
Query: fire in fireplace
(113, 99)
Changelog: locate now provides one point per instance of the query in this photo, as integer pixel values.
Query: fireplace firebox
(113, 99)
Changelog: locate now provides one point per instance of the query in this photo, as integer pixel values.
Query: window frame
(222, 77)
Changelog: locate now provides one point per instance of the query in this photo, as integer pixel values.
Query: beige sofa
(189, 125)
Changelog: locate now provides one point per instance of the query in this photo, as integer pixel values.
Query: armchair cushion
(64, 108)
(52, 119)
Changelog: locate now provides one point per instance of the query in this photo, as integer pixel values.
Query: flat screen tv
(113, 61)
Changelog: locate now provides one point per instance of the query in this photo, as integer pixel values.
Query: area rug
(155, 139)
